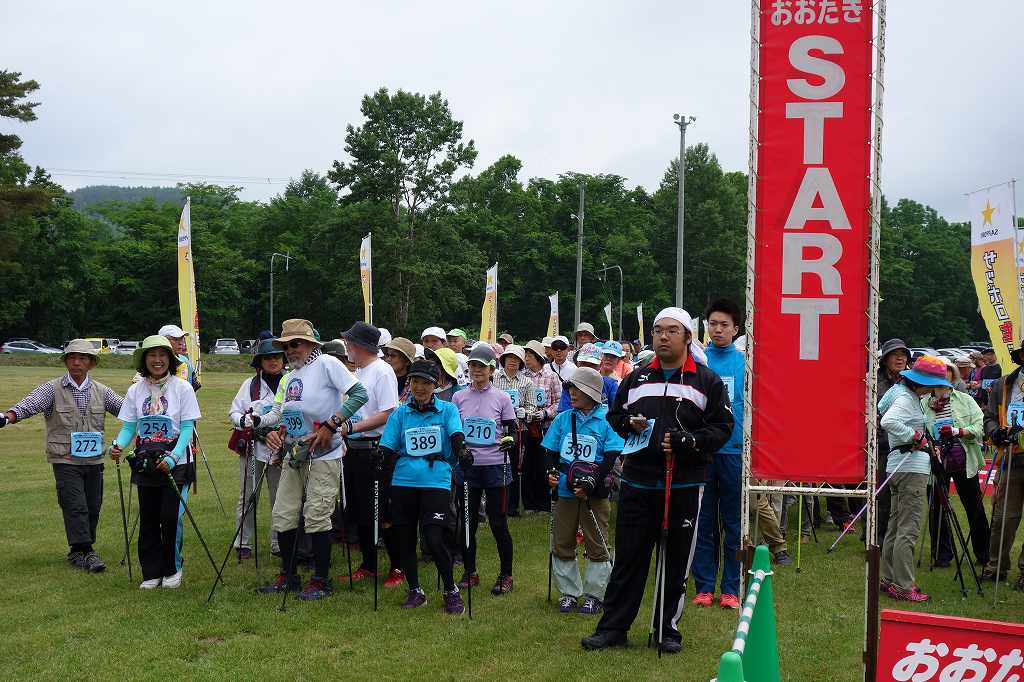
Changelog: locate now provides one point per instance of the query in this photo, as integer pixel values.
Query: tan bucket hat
(403, 346)
(517, 351)
(82, 347)
(537, 347)
(590, 382)
(296, 329)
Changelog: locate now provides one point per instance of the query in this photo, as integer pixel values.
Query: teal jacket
(966, 415)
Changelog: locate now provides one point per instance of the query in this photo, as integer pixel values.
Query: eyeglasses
(294, 343)
(667, 331)
(559, 347)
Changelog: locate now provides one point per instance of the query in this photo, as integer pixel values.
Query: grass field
(60, 623)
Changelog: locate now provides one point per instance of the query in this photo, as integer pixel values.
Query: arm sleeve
(458, 442)
(112, 402)
(355, 397)
(618, 415)
(894, 421)
(126, 434)
(718, 421)
(184, 439)
(605, 467)
(550, 459)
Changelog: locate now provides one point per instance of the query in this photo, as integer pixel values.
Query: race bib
(987, 383)
(513, 393)
(294, 423)
(730, 386)
(585, 450)
(638, 441)
(86, 444)
(1015, 414)
(939, 423)
(479, 431)
(542, 396)
(156, 426)
(423, 441)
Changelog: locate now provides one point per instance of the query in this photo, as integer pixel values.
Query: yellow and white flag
(608, 316)
(187, 286)
(553, 315)
(640, 321)
(994, 266)
(366, 277)
(489, 312)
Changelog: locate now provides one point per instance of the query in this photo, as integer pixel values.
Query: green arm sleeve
(355, 398)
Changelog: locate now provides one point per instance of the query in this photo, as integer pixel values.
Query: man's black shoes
(603, 640)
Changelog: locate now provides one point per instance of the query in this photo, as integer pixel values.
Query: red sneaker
(395, 578)
(358, 575)
(703, 599)
(729, 601)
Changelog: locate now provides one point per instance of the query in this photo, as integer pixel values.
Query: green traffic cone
(730, 667)
(761, 655)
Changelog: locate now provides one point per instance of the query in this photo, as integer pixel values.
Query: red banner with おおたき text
(812, 230)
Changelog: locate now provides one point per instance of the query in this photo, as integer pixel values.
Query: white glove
(521, 413)
(249, 421)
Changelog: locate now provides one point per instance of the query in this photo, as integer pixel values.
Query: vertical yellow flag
(553, 315)
(994, 266)
(489, 312)
(366, 277)
(640, 321)
(187, 286)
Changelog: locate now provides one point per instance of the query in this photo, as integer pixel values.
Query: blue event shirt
(607, 391)
(727, 363)
(593, 425)
(418, 472)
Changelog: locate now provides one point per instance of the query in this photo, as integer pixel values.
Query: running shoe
(317, 588)
(93, 562)
(728, 601)
(567, 604)
(591, 606)
(77, 559)
(466, 579)
(414, 599)
(503, 585)
(783, 559)
(704, 599)
(244, 553)
(172, 582)
(150, 584)
(395, 578)
(280, 583)
(453, 603)
(359, 574)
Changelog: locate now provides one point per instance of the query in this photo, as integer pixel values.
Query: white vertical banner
(608, 316)
(553, 315)
(640, 322)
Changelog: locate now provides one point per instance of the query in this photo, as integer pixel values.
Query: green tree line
(409, 178)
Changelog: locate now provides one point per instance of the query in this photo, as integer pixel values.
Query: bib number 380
(585, 448)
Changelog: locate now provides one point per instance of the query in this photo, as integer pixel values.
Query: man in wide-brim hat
(74, 407)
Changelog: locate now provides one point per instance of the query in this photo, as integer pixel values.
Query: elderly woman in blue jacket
(908, 470)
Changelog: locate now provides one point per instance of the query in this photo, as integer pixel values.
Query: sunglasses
(294, 343)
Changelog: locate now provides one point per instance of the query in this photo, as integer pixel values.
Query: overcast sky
(266, 88)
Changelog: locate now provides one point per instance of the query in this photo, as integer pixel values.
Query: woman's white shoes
(151, 584)
(172, 581)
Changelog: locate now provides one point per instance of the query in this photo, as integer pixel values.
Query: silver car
(28, 347)
(226, 347)
(126, 347)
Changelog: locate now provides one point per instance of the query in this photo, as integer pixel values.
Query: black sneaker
(671, 646)
(281, 582)
(783, 559)
(93, 563)
(604, 639)
(77, 559)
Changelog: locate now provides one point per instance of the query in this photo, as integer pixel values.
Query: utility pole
(287, 257)
(605, 269)
(579, 256)
(682, 122)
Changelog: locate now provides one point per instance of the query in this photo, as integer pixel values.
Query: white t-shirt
(178, 402)
(565, 370)
(312, 393)
(381, 384)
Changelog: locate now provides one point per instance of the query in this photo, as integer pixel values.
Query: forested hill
(92, 195)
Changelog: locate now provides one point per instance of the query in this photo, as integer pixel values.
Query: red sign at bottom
(921, 647)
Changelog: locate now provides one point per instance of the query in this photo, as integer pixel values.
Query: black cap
(424, 369)
(364, 335)
(893, 345)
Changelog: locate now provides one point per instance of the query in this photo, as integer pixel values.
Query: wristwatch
(335, 421)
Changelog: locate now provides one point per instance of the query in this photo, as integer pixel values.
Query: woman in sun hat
(159, 414)
(908, 469)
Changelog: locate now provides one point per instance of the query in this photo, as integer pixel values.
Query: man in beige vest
(73, 406)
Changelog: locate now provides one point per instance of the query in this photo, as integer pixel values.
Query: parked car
(28, 347)
(915, 353)
(101, 345)
(225, 347)
(953, 353)
(126, 347)
(247, 345)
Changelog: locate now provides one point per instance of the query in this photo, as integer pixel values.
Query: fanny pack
(148, 454)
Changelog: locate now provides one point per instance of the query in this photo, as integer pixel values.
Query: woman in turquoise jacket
(957, 424)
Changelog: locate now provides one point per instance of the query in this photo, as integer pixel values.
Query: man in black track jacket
(675, 410)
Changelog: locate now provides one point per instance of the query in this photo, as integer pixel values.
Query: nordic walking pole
(245, 499)
(192, 520)
(124, 521)
(250, 504)
(255, 515)
(290, 571)
(800, 528)
(1002, 531)
(551, 538)
(376, 529)
(600, 533)
(465, 522)
(670, 461)
(850, 526)
(206, 462)
(344, 523)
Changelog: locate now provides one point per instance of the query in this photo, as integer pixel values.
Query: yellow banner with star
(995, 267)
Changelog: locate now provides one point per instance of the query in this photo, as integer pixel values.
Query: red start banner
(812, 231)
(921, 647)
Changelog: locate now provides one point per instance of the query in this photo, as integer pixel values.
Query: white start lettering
(817, 199)
(927, 660)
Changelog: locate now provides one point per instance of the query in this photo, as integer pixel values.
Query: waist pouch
(148, 454)
(954, 457)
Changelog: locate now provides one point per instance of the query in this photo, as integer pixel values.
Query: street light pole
(287, 257)
(682, 122)
(579, 257)
(616, 267)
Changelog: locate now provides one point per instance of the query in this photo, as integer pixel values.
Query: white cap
(434, 331)
(385, 336)
(172, 331)
(546, 341)
(683, 318)
(419, 351)
(560, 338)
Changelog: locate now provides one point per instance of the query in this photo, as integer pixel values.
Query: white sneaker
(172, 581)
(150, 584)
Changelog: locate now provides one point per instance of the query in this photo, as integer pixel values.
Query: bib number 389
(423, 441)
